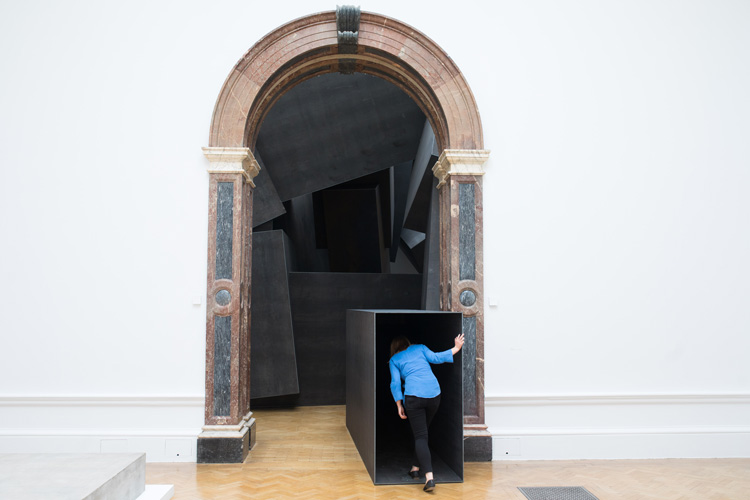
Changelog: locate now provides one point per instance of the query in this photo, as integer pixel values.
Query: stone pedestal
(477, 444)
(226, 444)
(459, 173)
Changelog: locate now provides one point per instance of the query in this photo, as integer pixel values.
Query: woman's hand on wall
(458, 343)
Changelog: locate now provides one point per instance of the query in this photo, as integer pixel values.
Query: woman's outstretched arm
(444, 356)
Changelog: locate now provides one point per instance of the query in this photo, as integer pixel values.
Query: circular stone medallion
(467, 298)
(223, 297)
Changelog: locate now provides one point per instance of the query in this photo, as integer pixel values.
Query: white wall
(615, 221)
(617, 229)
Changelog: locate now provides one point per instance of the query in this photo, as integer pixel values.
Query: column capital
(232, 161)
(460, 162)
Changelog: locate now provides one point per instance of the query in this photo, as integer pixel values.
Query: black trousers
(420, 412)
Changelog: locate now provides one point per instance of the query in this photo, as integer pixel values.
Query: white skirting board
(158, 448)
(166, 428)
(524, 427)
(573, 427)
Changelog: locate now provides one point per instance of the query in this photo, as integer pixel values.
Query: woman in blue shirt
(421, 396)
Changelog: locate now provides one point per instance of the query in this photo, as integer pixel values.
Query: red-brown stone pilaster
(228, 432)
(462, 278)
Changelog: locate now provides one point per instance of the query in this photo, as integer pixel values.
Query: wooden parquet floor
(307, 453)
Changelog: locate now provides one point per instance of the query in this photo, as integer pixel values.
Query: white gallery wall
(616, 216)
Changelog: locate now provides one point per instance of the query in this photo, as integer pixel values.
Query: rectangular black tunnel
(383, 440)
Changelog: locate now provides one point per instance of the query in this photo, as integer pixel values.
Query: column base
(226, 444)
(477, 445)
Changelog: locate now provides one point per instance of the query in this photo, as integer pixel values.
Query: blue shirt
(413, 366)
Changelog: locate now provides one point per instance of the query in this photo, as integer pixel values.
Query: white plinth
(77, 477)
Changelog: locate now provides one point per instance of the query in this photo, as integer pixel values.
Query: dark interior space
(370, 410)
(344, 217)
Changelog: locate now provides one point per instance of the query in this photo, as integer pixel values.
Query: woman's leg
(418, 420)
(431, 408)
(418, 410)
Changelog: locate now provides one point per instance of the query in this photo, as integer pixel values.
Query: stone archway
(345, 41)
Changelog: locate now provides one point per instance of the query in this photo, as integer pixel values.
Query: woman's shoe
(414, 473)
(429, 485)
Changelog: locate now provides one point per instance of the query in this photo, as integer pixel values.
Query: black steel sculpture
(384, 440)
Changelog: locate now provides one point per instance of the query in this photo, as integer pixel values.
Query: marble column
(229, 432)
(459, 173)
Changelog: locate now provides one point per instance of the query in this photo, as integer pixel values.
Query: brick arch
(308, 46)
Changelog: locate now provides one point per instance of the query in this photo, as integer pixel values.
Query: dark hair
(399, 344)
